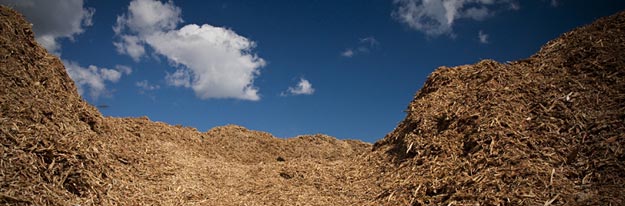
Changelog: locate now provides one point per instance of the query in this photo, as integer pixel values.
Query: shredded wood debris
(547, 130)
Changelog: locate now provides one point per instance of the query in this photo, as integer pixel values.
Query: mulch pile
(45, 127)
(58, 150)
(547, 130)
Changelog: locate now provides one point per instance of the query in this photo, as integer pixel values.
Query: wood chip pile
(547, 130)
(56, 149)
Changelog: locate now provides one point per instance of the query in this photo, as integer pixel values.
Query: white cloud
(53, 20)
(303, 87)
(215, 62)
(147, 16)
(477, 13)
(146, 86)
(220, 61)
(106, 74)
(347, 53)
(124, 69)
(364, 46)
(483, 37)
(436, 17)
(144, 17)
(180, 78)
(370, 41)
(93, 78)
(130, 45)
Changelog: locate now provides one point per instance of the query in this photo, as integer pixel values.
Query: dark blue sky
(357, 96)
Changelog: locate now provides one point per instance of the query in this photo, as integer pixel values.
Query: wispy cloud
(130, 45)
(434, 17)
(180, 78)
(370, 41)
(483, 37)
(364, 46)
(145, 86)
(215, 62)
(93, 79)
(555, 3)
(348, 53)
(303, 87)
(124, 69)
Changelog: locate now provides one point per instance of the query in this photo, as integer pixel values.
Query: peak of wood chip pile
(548, 130)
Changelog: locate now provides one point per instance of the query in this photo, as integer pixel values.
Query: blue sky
(345, 68)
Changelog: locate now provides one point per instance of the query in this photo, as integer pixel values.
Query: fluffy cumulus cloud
(219, 60)
(214, 62)
(53, 20)
(144, 17)
(303, 87)
(483, 37)
(148, 16)
(365, 45)
(92, 79)
(436, 17)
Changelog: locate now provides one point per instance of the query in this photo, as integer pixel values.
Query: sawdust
(547, 130)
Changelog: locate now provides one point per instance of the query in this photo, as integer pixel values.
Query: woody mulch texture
(59, 150)
(547, 130)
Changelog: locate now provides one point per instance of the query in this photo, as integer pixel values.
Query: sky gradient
(344, 68)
